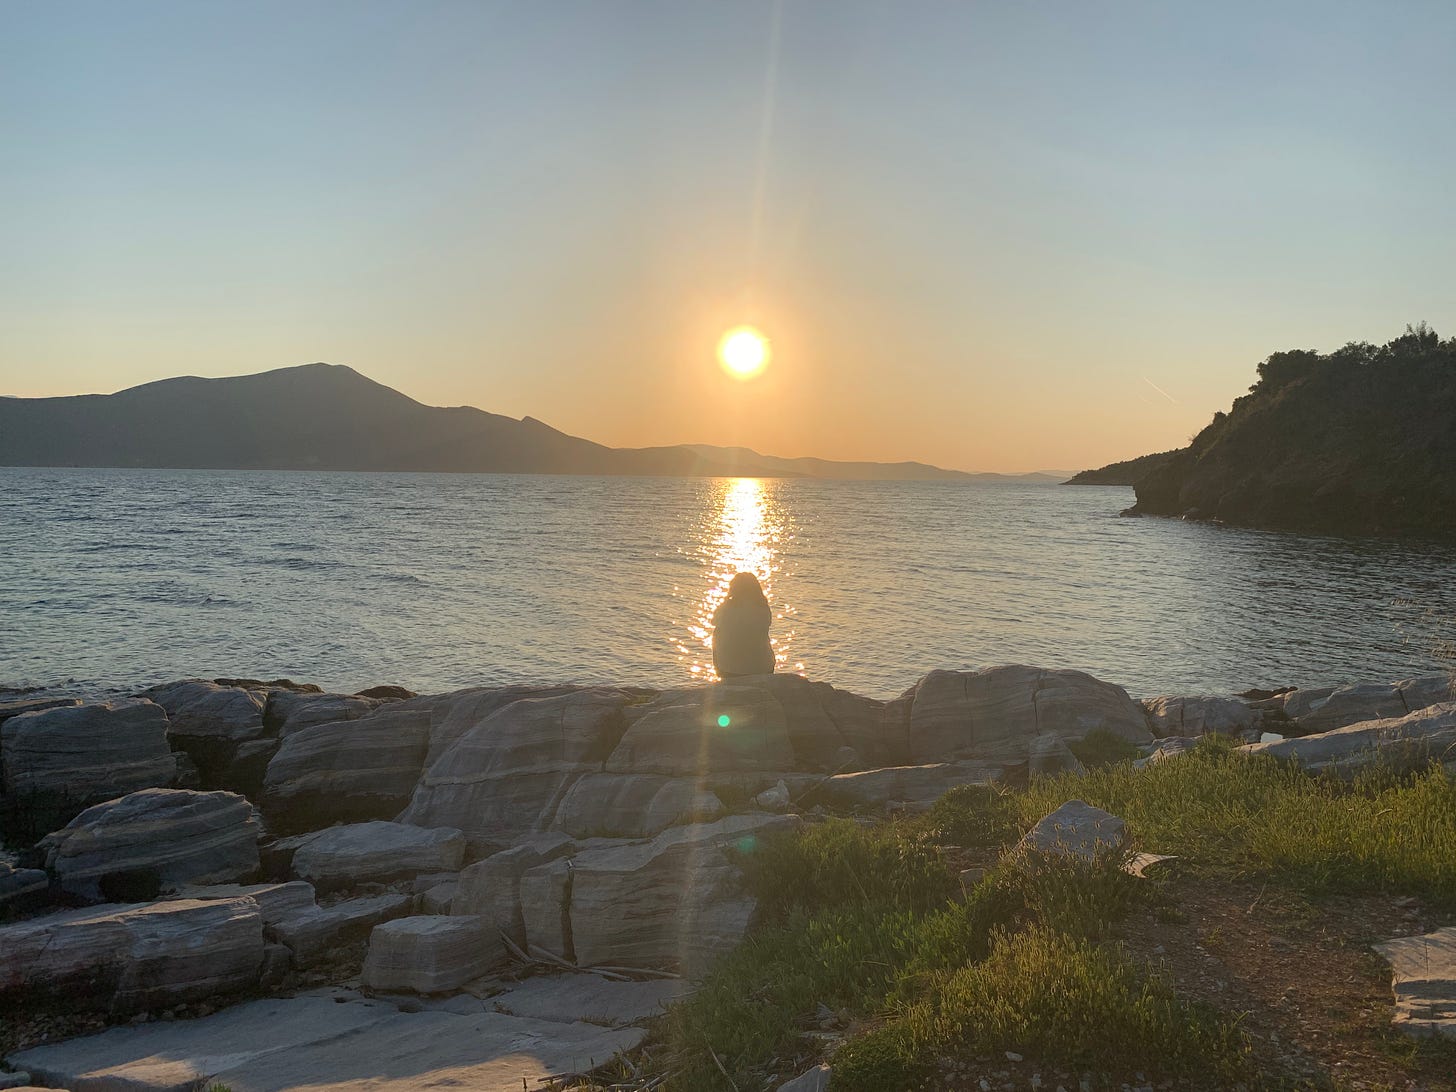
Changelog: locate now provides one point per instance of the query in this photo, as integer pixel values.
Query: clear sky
(994, 236)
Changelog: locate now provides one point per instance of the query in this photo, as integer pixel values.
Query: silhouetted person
(740, 630)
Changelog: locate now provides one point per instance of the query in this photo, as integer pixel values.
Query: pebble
(1012, 1056)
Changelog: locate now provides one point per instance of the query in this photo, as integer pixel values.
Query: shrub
(975, 815)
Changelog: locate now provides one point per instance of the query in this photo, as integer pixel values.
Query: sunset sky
(992, 236)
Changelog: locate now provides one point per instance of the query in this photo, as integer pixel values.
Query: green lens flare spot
(724, 720)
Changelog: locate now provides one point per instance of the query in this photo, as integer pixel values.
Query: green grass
(1059, 998)
(1103, 748)
(866, 920)
(1254, 816)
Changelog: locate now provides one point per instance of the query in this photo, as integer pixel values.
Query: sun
(743, 352)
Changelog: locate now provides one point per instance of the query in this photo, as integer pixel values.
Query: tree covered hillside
(1361, 439)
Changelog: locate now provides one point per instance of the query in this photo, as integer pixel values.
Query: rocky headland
(1359, 440)
(268, 886)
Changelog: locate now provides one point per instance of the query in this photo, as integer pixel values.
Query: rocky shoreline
(374, 886)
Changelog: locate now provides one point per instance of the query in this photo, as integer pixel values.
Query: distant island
(329, 417)
(1359, 440)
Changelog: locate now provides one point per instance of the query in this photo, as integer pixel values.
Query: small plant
(1101, 747)
(975, 815)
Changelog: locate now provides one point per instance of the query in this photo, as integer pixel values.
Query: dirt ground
(1316, 1000)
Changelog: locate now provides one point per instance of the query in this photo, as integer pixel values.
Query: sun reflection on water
(749, 534)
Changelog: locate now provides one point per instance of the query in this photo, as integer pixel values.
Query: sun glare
(743, 352)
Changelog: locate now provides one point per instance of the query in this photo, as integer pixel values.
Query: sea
(112, 580)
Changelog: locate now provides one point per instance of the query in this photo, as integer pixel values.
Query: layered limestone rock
(209, 722)
(491, 889)
(129, 958)
(505, 776)
(428, 954)
(276, 901)
(613, 805)
(85, 753)
(1405, 742)
(160, 837)
(288, 711)
(1323, 709)
(720, 728)
(312, 932)
(676, 901)
(376, 852)
(1424, 982)
(994, 715)
(342, 1042)
(455, 714)
(1198, 716)
(22, 889)
(347, 770)
(918, 785)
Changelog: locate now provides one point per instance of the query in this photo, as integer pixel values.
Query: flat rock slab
(1424, 980)
(338, 1041)
(489, 1052)
(588, 998)
(178, 1055)
(312, 932)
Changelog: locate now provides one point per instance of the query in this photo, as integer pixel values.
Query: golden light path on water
(751, 528)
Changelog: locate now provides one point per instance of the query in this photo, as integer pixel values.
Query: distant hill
(329, 417)
(1127, 472)
(1362, 439)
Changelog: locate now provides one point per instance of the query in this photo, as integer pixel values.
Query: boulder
(823, 722)
(724, 727)
(67, 757)
(13, 707)
(1428, 691)
(676, 901)
(276, 901)
(162, 837)
(1171, 747)
(439, 899)
(1199, 716)
(491, 889)
(312, 933)
(1403, 742)
(1049, 755)
(209, 721)
(287, 711)
(1323, 709)
(506, 776)
(455, 714)
(1424, 982)
(245, 774)
(22, 889)
(610, 805)
(430, 954)
(346, 770)
(994, 714)
(915, 785)
(128, 958)
(1076, 829)
(777, 798)
(376, 852)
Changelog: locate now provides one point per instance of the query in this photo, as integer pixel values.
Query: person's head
(745, 586)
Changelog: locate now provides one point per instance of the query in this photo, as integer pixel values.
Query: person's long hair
(745, 588)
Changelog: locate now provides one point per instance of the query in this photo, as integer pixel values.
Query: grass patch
(1256, 816)
(869, 920)
(1059, 998)
(1103, 748)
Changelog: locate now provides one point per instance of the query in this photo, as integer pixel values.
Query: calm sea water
(118, 579)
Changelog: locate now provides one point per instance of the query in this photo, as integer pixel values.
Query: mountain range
(330, 417)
